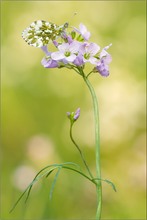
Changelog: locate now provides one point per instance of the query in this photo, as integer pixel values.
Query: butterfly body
(40, 32)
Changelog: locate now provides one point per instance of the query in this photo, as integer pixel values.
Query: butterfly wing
(40, 32)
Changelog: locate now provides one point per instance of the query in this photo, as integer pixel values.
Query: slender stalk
(89, 74)
(81, 154)
(97, 143)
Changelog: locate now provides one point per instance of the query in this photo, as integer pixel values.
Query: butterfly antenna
(75, 13)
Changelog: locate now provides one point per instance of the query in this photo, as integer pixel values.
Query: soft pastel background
(35, 129)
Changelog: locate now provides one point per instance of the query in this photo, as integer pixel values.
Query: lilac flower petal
(57, 55)
(107, 47)
(63, 47)
(45, 50)
(108, 59)
(55, 43)
(93, 48)
(71, 58)
(64, 61)
(87, 35)
(77, 114)
(103, 68)
(92, 60)
(104, 51)
(68, 114)
(82, 48)
(69, 39)
(74, 47)
(49, 63)
(89, 48)
(44, 62)
(102, 71)
(79, 60)
(83, 30)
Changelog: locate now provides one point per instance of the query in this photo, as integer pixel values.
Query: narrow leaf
(15, 204)
(38, 176)
(112, 184)
(49, 172)
(54, 182)
(107, 181)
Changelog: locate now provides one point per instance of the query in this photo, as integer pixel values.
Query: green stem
(97, 143)
(81, 154)
(89, 74)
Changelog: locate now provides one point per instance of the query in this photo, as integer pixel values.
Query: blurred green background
(35, 129)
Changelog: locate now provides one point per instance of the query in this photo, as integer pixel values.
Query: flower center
(87, 56)
(67, 53)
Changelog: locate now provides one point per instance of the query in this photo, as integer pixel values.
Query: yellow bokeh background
(35, 129)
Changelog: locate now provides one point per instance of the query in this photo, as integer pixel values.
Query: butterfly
(40, 32)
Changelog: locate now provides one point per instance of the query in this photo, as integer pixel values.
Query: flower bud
(73, 116)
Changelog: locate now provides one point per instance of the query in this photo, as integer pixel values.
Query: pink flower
(88, 51)
(83, 31)
(66, 51)
(103, 64)
(49, 63)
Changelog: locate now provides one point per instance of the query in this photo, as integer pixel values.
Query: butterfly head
(66, 25)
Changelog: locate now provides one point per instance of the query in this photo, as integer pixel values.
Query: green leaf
(79, 172)
(54, 182)
(15, 204)
(112, 184)
(46, 171)
(37, 178)
(50, 172)
(107, 181)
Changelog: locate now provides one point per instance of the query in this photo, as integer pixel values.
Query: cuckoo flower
(104, 52)
(103, 64)
(83, 32)
(49, 63)
(88, 51)
(79, 60)
(45, 50)
(66, 51)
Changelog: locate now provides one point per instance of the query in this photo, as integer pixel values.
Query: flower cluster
(74, 50)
